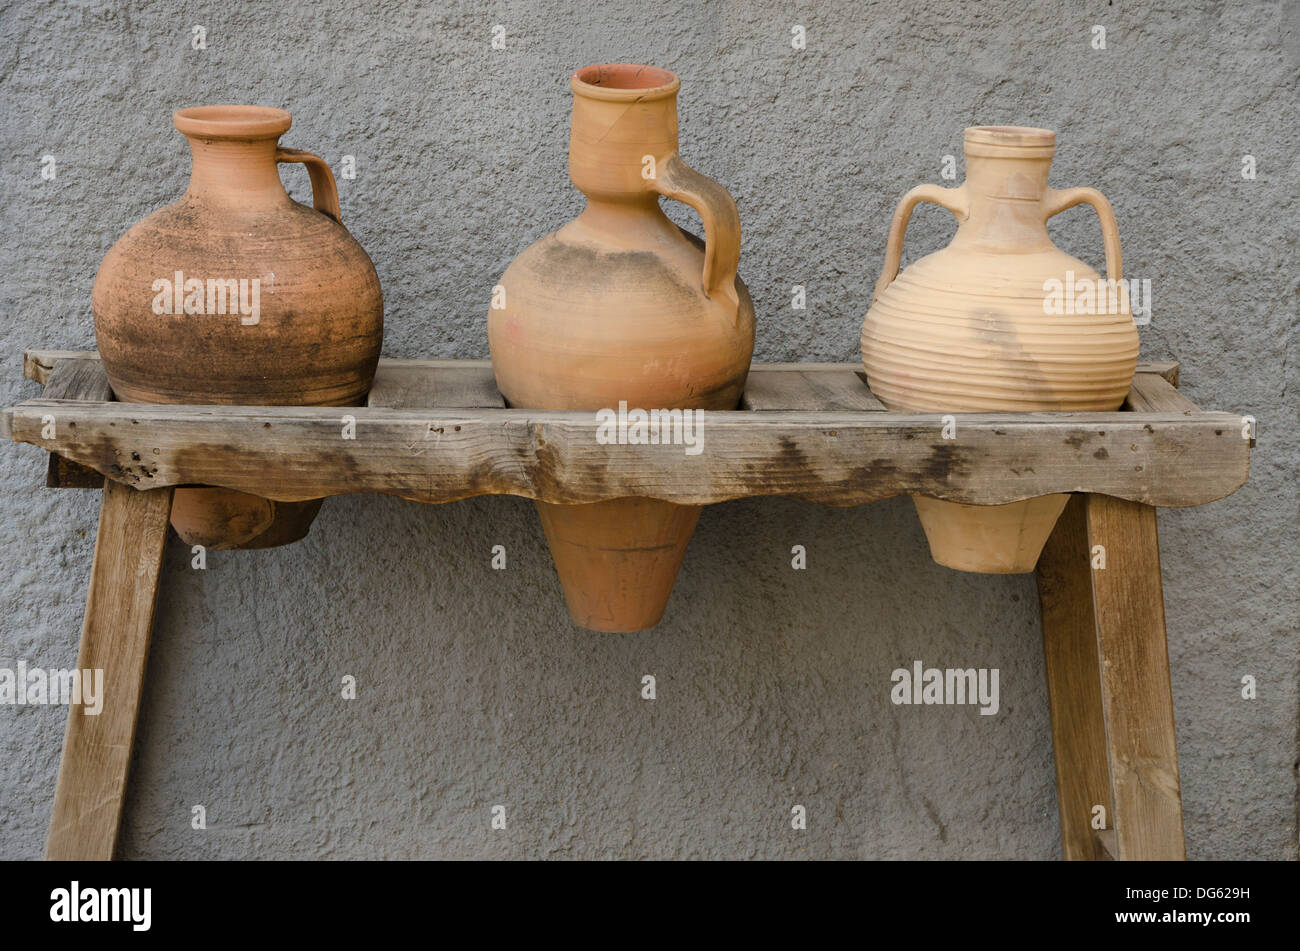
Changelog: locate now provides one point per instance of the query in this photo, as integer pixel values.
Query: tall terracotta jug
(622, 305)
(236, 294)
(999, 321)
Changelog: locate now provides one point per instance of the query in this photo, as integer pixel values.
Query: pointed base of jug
(618, 560)
(223, 519)
(989, 539)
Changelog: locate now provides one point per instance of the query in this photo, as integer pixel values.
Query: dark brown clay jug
(236, 294)
(621, 305)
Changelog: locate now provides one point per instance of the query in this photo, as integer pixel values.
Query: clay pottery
(236, 294)
(622, 305)
(227, 519)
(998, 321)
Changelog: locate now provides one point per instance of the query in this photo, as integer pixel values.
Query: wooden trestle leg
(114, 639)
(1108, 683)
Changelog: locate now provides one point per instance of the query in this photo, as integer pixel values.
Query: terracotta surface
(964, 329)
(311, 326)
(993, 539)
(224, 519)
(622, 305)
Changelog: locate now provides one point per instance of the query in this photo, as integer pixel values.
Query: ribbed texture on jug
(951, 335)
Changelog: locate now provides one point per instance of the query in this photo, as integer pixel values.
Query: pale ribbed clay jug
(978, 327)
(622, 305)
(236, 294)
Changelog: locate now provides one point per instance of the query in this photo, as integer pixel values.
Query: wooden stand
(436, 431)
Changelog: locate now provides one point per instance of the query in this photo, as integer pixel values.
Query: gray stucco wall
(773, 685)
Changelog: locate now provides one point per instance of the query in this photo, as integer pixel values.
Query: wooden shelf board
(437, 431)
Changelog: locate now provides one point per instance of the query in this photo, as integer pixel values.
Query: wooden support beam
(1106, 847)
(1074, 682)
(1136, 692)
(1108, 680)
(114, 639)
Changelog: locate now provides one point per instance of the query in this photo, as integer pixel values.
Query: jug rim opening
(1009, 141)
(232, 122)
(624, 82)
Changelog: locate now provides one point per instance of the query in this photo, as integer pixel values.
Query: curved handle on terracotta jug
(954, 199)
(1058, 200)
(717, 209)
(324, 193)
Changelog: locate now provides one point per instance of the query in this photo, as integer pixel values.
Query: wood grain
(39, 364)
(114, 639)
(811, 431)
(840, 388)
(79, 378)
(1105, 843)
(75, 379)
(1136, 694)
(841, 458)
(1165, 369)
(444, 383)
(1074, 681)
(1153, 394)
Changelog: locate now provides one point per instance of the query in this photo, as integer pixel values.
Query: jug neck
(624, 124)
(234, 154)
(1006, 187)
(627, 222)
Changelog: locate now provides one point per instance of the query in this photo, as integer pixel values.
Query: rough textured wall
(773, 685)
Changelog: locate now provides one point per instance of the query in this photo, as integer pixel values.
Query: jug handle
(717, 209)
(1058, 200)
(954, 199)
(324, 192)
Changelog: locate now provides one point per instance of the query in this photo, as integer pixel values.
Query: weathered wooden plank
(414, 385)
(835, 389)
(1105, 843)
(847, 389)
(78, 379)
(775, 391)
(1154, 394)
(75, 379)
(299, 453)
(115, 640)
(1074, 681)
(1165, 369)
(39, 364)
(1136, 694)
